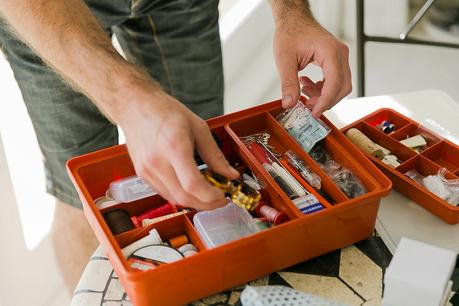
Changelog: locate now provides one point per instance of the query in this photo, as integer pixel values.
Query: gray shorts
(176, 41)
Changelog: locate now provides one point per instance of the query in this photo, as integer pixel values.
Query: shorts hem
(65, 198)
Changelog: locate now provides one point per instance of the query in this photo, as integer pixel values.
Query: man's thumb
(289, 84)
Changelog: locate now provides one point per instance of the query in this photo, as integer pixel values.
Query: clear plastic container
(133, 188)
(222, 225)
(130, 189)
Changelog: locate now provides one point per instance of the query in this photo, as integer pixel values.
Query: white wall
(247, 31)
(251, 76)
(28, 277)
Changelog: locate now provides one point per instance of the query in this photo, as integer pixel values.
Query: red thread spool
(273, 215)
(162, 210)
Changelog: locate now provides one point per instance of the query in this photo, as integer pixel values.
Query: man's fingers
(337, 80)
(211, 153)
(327, 99)
(331, 87)
(309, 88)
(304, 80)
(320, 84)
(288, 72)
(191, 180)
(158, 185)
(347, 79)
(169, 178)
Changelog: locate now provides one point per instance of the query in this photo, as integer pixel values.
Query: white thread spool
(188, 250)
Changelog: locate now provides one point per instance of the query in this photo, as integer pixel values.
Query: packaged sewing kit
(421, 164)
(305, 190)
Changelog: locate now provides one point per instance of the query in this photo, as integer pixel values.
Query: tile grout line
(352, 289)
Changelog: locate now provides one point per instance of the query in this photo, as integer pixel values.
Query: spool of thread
(118, 221)
(366, 144)
(187, 247)
(154, 213)
(190, 253)
(188, 250)
(387, 126)
(105, 202)
(273, 215)
(178, 241)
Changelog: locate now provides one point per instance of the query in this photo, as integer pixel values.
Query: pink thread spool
(273, 215)
(162, 210)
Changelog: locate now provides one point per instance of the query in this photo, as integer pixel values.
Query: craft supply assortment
(422, 165)
(304, 190)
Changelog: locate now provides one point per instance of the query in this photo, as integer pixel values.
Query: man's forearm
(284, 9)
(68, 37)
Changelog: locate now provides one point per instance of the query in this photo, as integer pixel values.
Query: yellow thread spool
(178, 241)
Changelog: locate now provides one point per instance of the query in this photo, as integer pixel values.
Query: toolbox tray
(440, 153)
(210, 271)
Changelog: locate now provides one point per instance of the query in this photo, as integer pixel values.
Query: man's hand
(161, 135)
(299, 40)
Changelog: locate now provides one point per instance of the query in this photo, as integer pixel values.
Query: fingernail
(316, 114)
(287, 100)
(233, 171)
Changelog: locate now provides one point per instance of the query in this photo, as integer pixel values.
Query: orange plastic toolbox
(212, 270)
(439, 153)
